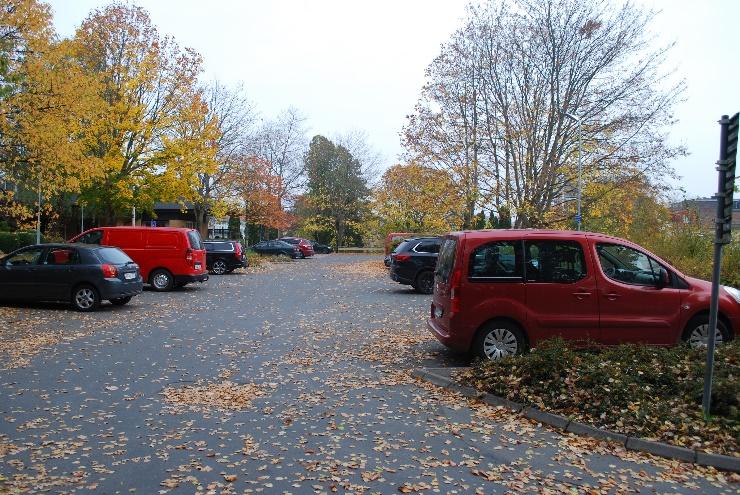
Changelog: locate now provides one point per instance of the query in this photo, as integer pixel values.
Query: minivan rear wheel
(424, 282)
(161, 280)
(499, 339)
(696, 333)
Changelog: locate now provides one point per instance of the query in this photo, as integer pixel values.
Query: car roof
(129, 227)
(423, 238)
(91, 247)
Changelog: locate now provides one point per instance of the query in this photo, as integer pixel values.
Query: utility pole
(38, 216)
(579, 122)
(723, 225)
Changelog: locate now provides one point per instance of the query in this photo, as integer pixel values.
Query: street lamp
(580, 133)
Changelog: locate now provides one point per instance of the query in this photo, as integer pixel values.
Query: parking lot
(291, 379)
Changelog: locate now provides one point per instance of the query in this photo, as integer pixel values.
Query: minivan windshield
(195, 241)
(446, 259)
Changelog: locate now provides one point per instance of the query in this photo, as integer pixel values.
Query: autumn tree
(494, 109)
(233, 115)
(281, 142)
(418, 198)
(148, 92)
(337, 187)
(45, 102)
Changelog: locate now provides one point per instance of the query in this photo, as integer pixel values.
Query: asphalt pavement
(292, 379)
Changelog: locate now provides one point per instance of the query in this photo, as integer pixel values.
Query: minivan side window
(446, 260)
(559, 262)
(94, 237)
(497, 261)
(627, 265)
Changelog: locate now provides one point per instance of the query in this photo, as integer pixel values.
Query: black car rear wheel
(424, 282)
(161, 280)
(85, 298)
(120, 301)
(219, 267)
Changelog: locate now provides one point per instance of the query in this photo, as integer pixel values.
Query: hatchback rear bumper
(116, 289)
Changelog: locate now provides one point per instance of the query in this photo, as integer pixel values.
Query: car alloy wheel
(425, 282)
(699, 336)
(219, 267)
(85, 298)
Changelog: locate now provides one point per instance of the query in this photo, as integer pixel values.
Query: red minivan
(499, 292)
(168, 257)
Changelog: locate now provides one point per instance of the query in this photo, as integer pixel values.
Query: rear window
(290, 241)
(403, 246)
(219, 246)
(194, 238)
(446, 259)
(113, 255)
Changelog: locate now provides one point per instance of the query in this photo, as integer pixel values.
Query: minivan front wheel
(161, 280)
(697, 332)
(85, 298)
(499, 339)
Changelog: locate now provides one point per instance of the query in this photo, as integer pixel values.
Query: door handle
(581, 295)
(612, 296)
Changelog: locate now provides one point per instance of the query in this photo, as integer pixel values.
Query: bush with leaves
(646, 391)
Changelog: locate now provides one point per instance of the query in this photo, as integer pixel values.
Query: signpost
(723, 235)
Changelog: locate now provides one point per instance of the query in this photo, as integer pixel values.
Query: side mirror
(662, 279)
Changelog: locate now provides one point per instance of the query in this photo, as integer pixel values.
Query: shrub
(10, 241)
(639, 390)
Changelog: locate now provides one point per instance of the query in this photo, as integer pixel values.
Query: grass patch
(651, 392)
(257, 260)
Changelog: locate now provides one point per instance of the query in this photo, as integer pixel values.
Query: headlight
(733, 292)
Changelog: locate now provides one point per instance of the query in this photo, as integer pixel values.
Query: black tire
(301, 255)
(697, 331)
(219, 267)
(85, 298)
(120, 301)
(161, 280)
(499, 338)
(424, 282)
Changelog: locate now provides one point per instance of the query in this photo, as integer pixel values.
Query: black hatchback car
(413, 263)
(224, 256)
(276, 248)
(81, 274)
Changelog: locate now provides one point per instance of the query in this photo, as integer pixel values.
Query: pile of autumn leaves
(643, 391)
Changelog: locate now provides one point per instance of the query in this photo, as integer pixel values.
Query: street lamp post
(580, 137)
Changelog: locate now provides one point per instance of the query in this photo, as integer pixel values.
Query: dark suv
(413, 263)
(224, 256)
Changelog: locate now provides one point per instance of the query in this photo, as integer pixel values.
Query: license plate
(129, 276)
(197, 266)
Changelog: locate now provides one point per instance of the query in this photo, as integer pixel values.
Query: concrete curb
(722, 462)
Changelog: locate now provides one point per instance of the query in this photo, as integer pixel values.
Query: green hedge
(10, 241)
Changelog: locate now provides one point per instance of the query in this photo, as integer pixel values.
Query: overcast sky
(350, 65)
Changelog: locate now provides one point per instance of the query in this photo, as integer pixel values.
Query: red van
(499, 292)
(167, 257)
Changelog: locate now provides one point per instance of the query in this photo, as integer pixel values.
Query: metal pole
(714, 304)
(38, 216)
(82, 217)
(133, 217)
(580, 137)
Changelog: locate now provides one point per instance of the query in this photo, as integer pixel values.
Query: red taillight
(189, 256)
(402, 257)
(237, 250)
(455, 291)
(109, 271)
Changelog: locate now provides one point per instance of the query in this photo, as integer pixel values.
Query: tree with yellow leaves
(151, 132)
(417, 198)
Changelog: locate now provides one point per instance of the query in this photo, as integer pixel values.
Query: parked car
(224, 256)
(321, 248)
(413, 263)
(79, 274)
(499, 292)
(305, 248)
(276, 248)
(168, 257)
